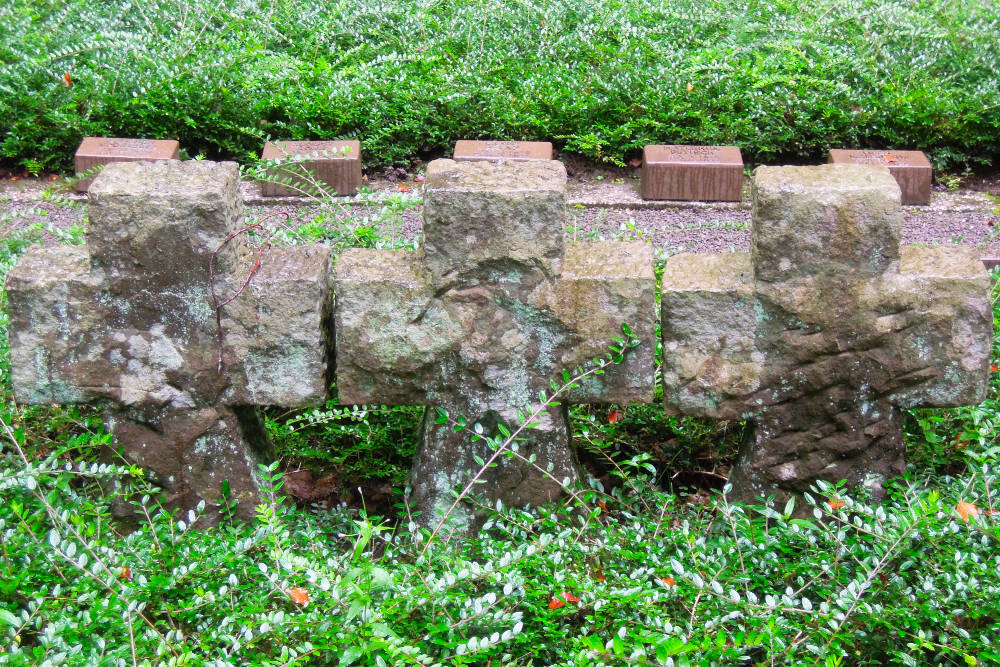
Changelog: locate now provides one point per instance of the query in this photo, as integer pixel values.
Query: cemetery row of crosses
(819, 335)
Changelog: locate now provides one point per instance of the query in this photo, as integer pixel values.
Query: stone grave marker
(128, 320)
(336, 164)
(473, 151)
(99, 151)
(692, 173)
(491, 309)
(824, 331)
(911, 170)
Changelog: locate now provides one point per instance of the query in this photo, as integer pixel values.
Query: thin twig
(211, 277)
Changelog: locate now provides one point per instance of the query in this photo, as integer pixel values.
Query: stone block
(825, 333)
(129, 321)
(392, 337)
(832, 219)
(692, 173)
(474, 151)
(55, 315)
(487, 315)
(710, 361)
(99, 151)
(335, 165)
(939, 326)
(603, 285)
(911, 169)
(480, 220)
(277, 333)
(153, 227)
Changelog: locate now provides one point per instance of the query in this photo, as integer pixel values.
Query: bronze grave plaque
(471, 151)
(99, 151)
(692, 173)
(910, 169)
(335, 165)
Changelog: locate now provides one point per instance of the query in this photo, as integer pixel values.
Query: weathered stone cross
(128, 320)
(491, 309)
(824, 331)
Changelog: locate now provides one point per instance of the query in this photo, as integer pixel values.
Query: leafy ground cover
(781, 79)
(646, 565)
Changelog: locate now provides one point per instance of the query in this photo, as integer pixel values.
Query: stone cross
(128, 320)
(824, 331)
(493, 308)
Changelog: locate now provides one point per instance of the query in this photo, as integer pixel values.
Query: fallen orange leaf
(965, 510)
(890, 157)
(403, 188)
(835, 503)
(669, 581)
(299, 596)
(994, 368)
(570, 597)
(556, 603)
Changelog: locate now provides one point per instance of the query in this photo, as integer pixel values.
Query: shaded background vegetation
(784, 80)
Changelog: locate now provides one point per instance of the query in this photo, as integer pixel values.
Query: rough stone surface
(128, 320)
(480, 320)
(824, 331)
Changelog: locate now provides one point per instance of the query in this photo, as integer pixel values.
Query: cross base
(446, 461)
(193, 454)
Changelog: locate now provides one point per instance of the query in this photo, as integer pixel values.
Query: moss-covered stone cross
(128, 320)
(824, 331)
(490, 310)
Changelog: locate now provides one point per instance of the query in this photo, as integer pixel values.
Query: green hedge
(784, 80)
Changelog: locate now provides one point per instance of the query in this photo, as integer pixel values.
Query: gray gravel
(601, 211)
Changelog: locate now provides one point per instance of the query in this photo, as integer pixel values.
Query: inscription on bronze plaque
(99, 151)
(911, 170)
(692, 173)
(335, 165)
(471, 151)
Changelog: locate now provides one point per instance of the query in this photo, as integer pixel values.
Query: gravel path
(603, 211)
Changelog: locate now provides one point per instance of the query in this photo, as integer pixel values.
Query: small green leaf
(8, 618)
(350, 655)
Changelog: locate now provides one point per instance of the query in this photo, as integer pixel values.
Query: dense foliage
(781, 79)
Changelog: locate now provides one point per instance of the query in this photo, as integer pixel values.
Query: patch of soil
(988, 182)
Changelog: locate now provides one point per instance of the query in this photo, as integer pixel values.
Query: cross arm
(55, 317)
(391, 332)
(711, 364)
(938, 305)
(601, 286)
(277, 336)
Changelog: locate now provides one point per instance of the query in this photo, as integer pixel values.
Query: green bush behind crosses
(784, 80)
